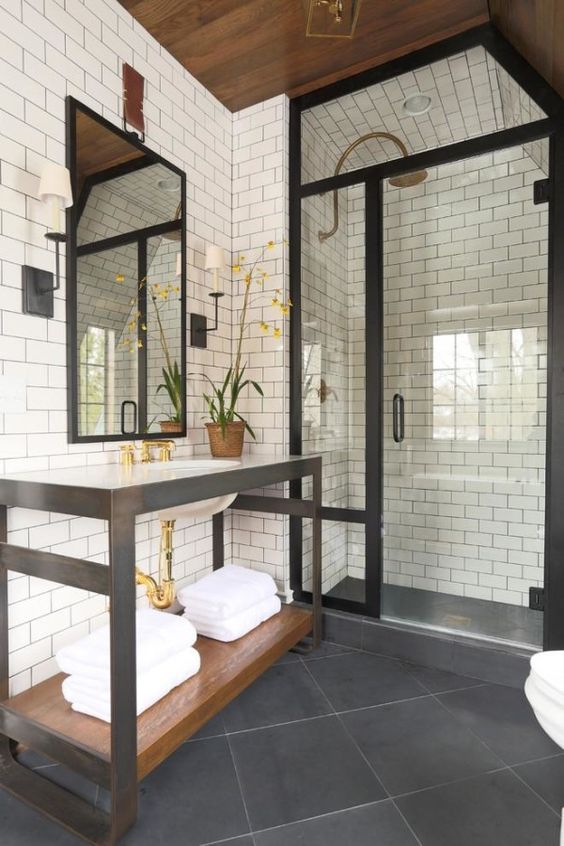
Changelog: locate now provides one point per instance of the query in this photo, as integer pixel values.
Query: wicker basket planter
(230, 446)
(170, 427)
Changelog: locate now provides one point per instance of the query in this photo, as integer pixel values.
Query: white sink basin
(195, 464)
(205, 507)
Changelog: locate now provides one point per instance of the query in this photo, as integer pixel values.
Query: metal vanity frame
(120, 506)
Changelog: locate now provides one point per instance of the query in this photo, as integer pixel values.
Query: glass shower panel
(464, 367)
(333, 376)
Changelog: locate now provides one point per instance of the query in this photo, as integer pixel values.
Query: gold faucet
(127, 455)
(161, 594)
(165, 450)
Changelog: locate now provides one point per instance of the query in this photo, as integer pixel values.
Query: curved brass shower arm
(344, 156)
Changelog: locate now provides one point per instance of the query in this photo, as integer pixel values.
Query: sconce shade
(55, 182)
(331, 18)
(215, 258)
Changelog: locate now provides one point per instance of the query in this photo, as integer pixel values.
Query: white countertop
(116, 476)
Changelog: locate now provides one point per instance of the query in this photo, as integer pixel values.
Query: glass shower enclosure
(424, 346)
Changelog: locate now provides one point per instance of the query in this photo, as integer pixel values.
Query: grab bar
(398, 418)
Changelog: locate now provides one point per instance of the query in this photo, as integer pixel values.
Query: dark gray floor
(345, 748)
(513, 623)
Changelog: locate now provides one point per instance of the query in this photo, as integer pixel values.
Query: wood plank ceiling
(245, 51)
(536, 30)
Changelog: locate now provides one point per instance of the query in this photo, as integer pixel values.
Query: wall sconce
(215, 261)
(55, 190)
(331, 18)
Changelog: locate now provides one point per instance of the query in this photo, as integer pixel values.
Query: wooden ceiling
(98, 149)
(536, 30)
(245, 51)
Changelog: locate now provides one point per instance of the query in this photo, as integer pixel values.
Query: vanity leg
(218, 540)
(316, 558)
(123, 767)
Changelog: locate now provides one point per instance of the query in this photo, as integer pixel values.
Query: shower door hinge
(541, 191)
(536, 599)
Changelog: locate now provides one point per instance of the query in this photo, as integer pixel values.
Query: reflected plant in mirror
(226, 431)
(160, 308)
(126, 351)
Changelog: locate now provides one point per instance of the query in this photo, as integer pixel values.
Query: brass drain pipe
(161, 594)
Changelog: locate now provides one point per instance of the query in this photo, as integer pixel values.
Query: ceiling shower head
(408, 180)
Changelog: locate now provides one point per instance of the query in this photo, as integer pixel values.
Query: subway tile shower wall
(49, 50)
(465, 287)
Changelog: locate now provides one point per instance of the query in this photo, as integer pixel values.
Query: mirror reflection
(127, 248)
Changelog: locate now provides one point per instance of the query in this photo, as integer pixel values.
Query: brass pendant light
(331, 18)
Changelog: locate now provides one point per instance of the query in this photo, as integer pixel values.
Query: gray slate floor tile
(439, 681)
(490, 810)
(301, 770)
(379, 824)
(285, 692)
(358, 680)
(503, 718)
(546, 778)
(417, 744)
(193, 795)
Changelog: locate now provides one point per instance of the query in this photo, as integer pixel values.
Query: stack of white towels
(165, 659)
(230, 602)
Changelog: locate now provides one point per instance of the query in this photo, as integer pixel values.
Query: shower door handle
(398, 418)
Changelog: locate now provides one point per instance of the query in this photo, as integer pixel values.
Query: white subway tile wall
(465, 287)
(50, 50)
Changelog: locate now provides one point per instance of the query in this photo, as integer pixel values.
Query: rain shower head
(407, 180)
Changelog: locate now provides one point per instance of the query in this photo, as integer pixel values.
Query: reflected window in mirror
(126, 304)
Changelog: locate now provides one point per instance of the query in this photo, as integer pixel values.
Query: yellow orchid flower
(264, 326)
(270, 245)
(248, 279)
(284, 309)
(277, 332)
(236, 268)
(120, 278)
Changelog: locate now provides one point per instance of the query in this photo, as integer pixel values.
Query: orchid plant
(222, 401)
(132, 341)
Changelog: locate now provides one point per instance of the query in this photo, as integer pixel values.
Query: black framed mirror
(126, 285)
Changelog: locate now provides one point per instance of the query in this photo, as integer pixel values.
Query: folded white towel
(225, 592)
(239, 624)
(159, 635)
(92, 696)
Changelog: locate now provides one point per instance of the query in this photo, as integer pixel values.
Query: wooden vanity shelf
(117, 755)
(227, 669)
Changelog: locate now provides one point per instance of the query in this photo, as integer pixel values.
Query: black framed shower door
(372, 180)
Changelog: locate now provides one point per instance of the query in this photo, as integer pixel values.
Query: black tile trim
(490, 662)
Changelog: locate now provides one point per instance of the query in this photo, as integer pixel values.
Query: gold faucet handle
(166, 450)
(145, 452)
(127, 455)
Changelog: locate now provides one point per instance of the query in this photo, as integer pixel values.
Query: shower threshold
(477, 618)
